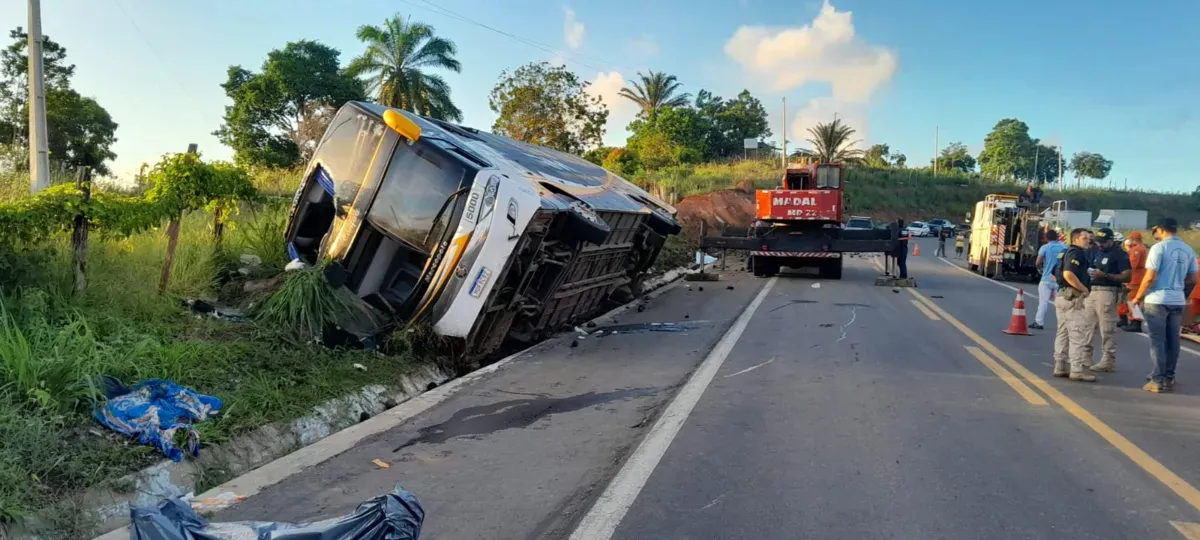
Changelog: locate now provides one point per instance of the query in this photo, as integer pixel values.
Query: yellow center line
(921, 307)
(1021, 388)
(1190, 531)
(1152, 466)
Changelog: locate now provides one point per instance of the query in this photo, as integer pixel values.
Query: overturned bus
(484, 237)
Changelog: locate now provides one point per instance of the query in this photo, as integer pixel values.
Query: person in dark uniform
(1073, 338)
(1110, 270)
(900, 251)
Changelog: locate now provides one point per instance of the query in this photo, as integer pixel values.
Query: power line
(425, 4)
(154, 51)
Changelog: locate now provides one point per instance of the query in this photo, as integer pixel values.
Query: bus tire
(585, 224)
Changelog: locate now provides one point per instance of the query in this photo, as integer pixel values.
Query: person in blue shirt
(1047, 260)
(1170, 268)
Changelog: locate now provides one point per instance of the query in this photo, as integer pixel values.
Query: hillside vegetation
(908, 193)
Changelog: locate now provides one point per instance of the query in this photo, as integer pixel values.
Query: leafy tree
(899, 160)
(955, 156)
(1047, 162)
(878, 155)
(597, 154)
(1008, 151)
(674, 135)
(621, 161)
(396, 55)
(81, 131)
(833, 143)
(547, 105)
(278, 115)
(1091, 165)
(655, 91)
(731, 122)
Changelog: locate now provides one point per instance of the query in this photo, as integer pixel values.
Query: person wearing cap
(1109, 272)
(1076, 325)
(1170, 268)
(1135, 247)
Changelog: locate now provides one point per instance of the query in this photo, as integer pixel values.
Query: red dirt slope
(732, 207)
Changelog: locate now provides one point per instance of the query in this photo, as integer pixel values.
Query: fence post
(79, 235)
(172, 242)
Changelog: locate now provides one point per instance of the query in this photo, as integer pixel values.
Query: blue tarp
(154, 410)
(395, 516)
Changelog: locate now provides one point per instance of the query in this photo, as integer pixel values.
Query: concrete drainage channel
(274, 452)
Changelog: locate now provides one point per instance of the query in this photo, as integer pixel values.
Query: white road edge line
(751, 368)
(1192, 352)
(603, 518)
(257, 480)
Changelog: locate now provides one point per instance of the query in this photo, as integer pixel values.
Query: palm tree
(832, 143)
(656, 90)
(397, 55)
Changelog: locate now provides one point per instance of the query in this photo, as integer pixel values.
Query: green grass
(54, 345)
(909, 193)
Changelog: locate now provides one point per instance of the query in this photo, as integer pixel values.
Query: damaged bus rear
(484, 237)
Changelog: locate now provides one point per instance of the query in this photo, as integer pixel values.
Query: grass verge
(55, 345)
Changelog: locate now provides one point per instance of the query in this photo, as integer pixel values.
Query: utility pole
(784, 158)
(1060, 167)
(1036, 151)
(39, 152)
(936, 145)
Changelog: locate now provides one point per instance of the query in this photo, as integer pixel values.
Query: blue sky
(1092, 75)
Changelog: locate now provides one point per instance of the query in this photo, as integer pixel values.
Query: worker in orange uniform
(1193, 309)
(1136, 248)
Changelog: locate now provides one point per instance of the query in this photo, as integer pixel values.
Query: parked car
(859, 223)
(936, 225)
(918, 228)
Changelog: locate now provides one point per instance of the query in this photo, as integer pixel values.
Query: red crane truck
(800, 225)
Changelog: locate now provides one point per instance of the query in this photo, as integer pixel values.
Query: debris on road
(816, 285)
(574, 344)
(381, 463)
(395, 516)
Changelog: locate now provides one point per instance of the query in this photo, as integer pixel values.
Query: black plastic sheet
(395, 516)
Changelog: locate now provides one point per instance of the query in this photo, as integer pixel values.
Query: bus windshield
(418, 183)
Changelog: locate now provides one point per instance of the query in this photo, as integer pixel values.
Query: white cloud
(621, 111)
(827, 50)
(644, 46)
(572, 29)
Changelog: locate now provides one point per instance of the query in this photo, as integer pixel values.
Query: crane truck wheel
(832, 269)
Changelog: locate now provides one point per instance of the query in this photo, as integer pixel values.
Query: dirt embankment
(735, 207)
(727, 207)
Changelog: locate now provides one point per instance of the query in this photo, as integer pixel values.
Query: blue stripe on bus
(325, 181)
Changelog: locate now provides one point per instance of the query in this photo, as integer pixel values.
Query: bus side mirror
(402, 125)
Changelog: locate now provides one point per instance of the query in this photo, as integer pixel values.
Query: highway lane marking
(921, 307)
(1190, 531)
(751, 368)
(1033, 296)
(1152, 466)
(1020, 387)
(603, 518)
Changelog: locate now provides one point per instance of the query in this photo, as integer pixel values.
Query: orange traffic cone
(916, 249)
(1017, 324)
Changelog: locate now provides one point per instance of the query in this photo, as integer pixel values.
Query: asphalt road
(876, 421)
(815, 409)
